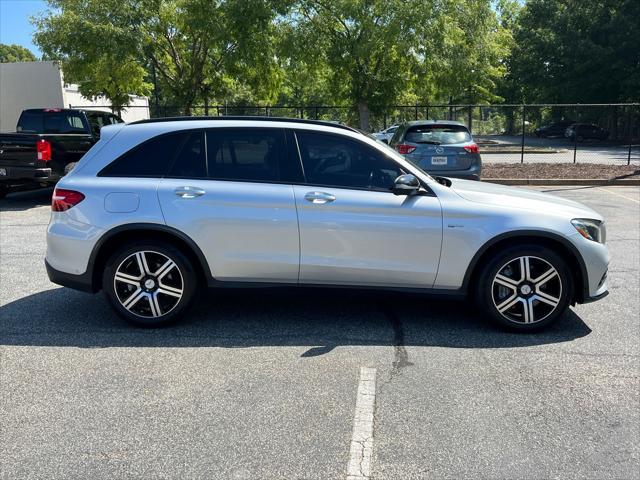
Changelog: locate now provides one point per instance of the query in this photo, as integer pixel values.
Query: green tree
(95, 47)
(15, 53)
(577, 51)
(368, 46)
(471, 59)
(197, 49)
(379, 52)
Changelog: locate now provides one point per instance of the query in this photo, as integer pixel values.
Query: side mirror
(406, 185)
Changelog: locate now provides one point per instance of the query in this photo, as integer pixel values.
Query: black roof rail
(247, 117)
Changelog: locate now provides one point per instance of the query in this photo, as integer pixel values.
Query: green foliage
(576, 51)
(380, 52)
(362, 54)
(96, 48)
(15, 53)
(193, 48)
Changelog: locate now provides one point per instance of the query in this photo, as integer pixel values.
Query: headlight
(590, 229)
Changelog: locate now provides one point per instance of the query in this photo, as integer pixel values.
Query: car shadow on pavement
(321, 319)
(20, 201)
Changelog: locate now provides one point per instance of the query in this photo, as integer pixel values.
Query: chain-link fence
(546, 133)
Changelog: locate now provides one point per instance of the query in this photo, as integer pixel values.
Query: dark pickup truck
(47, 144)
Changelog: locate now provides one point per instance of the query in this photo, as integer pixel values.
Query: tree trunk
(363, 114)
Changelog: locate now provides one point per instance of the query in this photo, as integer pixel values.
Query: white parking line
(618, 194)
(359, 467)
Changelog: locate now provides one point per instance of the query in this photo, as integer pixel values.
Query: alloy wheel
(526, 290)
(148, 284)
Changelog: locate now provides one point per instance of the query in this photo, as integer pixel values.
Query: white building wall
(27, 85)
(41, 85)
(138, 106)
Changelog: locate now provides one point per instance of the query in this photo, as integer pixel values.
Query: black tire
(491, 293)
(154, 305)
(4, 190)
(69, 166)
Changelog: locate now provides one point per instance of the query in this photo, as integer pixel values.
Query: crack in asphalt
(400, 353)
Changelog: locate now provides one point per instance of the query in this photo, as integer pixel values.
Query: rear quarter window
(149, 159)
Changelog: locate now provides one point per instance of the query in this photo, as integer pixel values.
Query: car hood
(511, 197)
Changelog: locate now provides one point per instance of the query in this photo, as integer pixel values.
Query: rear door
(230, 190)
(353, 229)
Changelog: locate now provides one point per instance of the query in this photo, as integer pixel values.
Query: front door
(353, 229)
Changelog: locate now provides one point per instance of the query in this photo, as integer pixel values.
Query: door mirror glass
(406, 185)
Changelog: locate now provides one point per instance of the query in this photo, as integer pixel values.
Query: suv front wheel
(525, 288)
(149, 284)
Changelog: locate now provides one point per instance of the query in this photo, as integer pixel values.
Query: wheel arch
(556, 242)
(110, 241)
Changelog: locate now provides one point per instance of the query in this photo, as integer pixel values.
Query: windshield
(438, 134)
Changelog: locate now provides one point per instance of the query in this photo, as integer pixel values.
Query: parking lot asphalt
(556, 150)
(263, 383)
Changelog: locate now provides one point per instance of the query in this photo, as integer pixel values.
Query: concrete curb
(630, 182)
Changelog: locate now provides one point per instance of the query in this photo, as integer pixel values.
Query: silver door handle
(189, 192)
(319, 197)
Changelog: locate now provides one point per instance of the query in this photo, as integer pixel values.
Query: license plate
(3, 172)
(438, 160)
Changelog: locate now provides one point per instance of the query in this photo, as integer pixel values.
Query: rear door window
(190, 162)
(247, 154)
(149, 159)
(438, 134)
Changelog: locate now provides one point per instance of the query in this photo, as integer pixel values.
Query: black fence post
(315, 112)
(470, 119)
(523, 125)
(384, 121)
(575, 136)
(629, 155)
(416, 112)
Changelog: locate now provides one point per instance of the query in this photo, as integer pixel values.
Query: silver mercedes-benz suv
(160, 208)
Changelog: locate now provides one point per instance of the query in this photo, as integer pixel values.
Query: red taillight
(44, 150)
(403, 148)
(473, 148)
(65, 199)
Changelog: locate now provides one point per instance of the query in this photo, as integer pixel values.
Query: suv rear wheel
(149, 284)
(525, 288)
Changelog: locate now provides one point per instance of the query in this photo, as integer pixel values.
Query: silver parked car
(385, 135)
(439, 147)
(158, 209)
